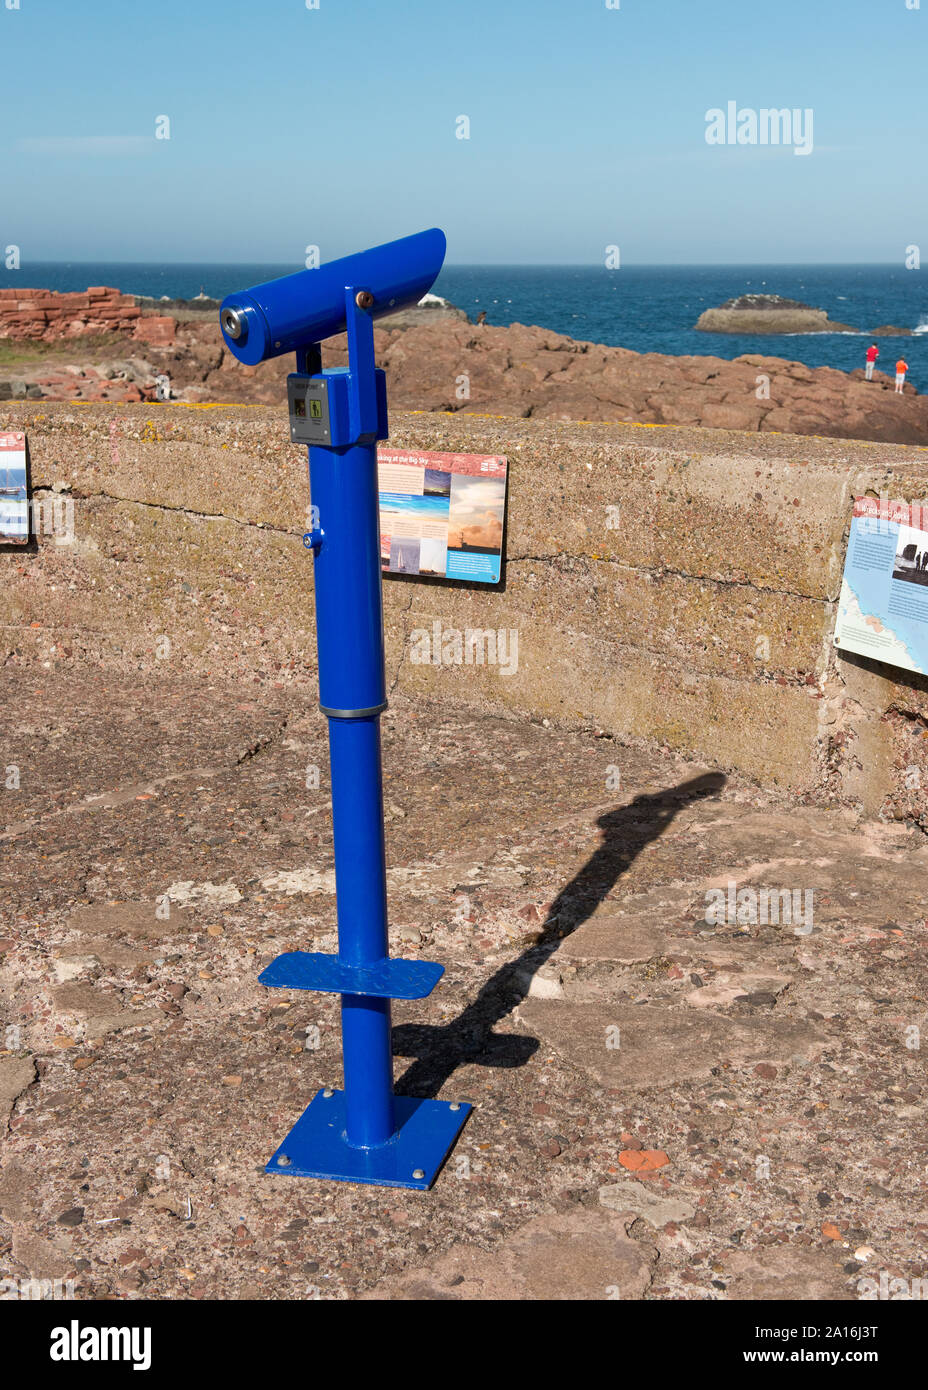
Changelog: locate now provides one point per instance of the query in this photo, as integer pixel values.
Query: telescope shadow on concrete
(469, 1039)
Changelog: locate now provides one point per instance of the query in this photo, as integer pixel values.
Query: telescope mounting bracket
(340, 407)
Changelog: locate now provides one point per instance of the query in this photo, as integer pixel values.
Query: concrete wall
(667, 584)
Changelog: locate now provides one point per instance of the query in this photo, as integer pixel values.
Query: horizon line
(516, 265)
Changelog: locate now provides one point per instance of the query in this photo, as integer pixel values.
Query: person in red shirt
(873, 353)
(901, 368)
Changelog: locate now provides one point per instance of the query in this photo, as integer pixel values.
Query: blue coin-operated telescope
(364, 1133)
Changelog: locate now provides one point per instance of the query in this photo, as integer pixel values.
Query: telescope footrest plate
(316, 1146)
(385, 979)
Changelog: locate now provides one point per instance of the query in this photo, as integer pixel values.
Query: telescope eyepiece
(233, 323)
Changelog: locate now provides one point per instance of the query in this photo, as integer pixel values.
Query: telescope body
(307, 307)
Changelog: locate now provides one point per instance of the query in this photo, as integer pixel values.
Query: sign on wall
(883, 608)
(442, 516)
(14, 500)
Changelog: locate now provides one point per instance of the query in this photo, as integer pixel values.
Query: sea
(646, 308)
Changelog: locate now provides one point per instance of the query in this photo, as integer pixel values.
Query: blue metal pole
(349, 627)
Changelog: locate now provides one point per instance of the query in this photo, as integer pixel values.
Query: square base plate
(425, 1134)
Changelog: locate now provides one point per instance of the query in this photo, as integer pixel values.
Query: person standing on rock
(873, 353)
(901, 368)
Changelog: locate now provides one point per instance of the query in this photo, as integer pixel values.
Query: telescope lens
(233, 322)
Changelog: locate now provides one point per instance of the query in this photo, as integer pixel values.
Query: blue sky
(336, 127)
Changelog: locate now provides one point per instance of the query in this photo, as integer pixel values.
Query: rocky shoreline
(437, 360)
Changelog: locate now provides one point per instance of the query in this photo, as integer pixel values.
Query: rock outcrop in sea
(768, 313)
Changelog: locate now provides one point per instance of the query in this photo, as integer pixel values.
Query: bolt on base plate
(425, 1133)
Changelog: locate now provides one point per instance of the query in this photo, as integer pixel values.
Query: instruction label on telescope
(442, 515)
(14, 501)
(883, 608)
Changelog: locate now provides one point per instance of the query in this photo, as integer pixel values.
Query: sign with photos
(442, 515)
(14, 500)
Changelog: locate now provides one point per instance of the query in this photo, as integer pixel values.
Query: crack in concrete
(664, 570)
(122, 796)
(262, 743)
(658, 571)
(106, 800)
(399, 665)
(184, 511)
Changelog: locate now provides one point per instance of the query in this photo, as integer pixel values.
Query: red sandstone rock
(45, 314)
(156, 329)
